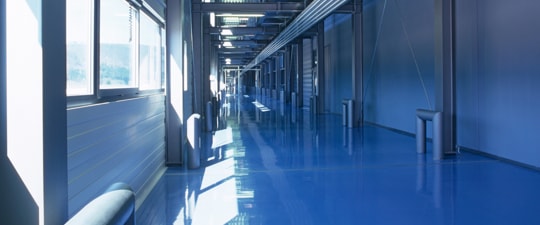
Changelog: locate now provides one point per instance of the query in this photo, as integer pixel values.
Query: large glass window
(118, 50)
(150, 54)
(79, 25)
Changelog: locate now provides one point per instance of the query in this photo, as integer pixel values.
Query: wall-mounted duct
(314, 12)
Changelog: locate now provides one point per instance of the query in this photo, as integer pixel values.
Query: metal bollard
(293, 99)
(347, 111)
(194, 135)
(209, 116)
(421, 116)
(344, 112)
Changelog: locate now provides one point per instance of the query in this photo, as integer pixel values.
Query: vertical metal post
(196, 21)
(420, 135)
(300, 73)
(358, 74)
(321, 86)
(206, 61)
(444, 70)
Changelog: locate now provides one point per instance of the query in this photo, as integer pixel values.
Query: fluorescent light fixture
(212, 19)
(227, 44)
(240, 15)
(226, 32)
(228, 61)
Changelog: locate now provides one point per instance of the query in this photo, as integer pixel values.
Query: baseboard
(496, 157)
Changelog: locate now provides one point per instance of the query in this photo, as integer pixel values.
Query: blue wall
(398, 61)
(115, 142)
(497, 73)
(338, 37)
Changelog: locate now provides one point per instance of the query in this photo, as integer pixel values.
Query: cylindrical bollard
(209, 118)
(437, 136)
(193, 135)
(420, 135)
(350, 113)
(344, 112)
(293, 99)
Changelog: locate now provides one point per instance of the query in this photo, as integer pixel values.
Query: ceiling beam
(315, 12)
(247, 7)
(244, 30)
(207, 7)
(238, 50)
(242, 42)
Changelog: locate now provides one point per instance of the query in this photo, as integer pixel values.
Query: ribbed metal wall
(308, 71)
(114, 142)
(497, 77)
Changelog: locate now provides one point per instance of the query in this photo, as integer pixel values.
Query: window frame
(101, 95)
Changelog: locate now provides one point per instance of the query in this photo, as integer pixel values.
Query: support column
(287, 76)
(444, 70)
(358, 64)
(175, 84)
(272, 75)
(206, 61)
(277, 72)
(33, 159)
(320, 68)
(300, 73)
(197, 62)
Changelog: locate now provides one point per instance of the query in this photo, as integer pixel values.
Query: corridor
(271, 164)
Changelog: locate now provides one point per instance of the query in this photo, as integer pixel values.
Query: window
(79, 23)
(150, 54)
(118, 54)
(118, 39)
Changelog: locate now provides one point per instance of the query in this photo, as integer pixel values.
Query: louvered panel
(308, 72)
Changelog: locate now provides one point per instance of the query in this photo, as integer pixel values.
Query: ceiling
(245, 32)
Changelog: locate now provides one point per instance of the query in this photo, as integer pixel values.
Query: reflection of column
(348, 140)
(344, 136)
(421, 172)
(293, 114)
(437, 185)
(257, 115)
(350, 147)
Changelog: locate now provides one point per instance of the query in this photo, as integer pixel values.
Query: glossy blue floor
(270, 164)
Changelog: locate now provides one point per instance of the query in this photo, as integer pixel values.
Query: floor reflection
(267, 163)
